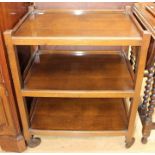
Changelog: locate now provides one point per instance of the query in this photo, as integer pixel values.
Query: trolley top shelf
(78, 27)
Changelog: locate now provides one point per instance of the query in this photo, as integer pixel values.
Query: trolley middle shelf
(89, 75)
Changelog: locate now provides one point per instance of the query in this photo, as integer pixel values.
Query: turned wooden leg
(133, 58)
(148, 121)
(148, 87)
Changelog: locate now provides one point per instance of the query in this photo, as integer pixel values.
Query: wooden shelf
(60, 75)
(87, 27)
(79, 115)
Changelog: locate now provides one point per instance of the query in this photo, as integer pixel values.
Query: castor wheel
(33, 142)
(144, 140)
(130, 143)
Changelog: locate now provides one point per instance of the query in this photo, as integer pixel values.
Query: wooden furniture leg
(140, 66)
(133, 56)
(17, 79)
(147, 125)
(148, 86)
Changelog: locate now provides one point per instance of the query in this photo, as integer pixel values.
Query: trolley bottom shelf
(55, 114)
